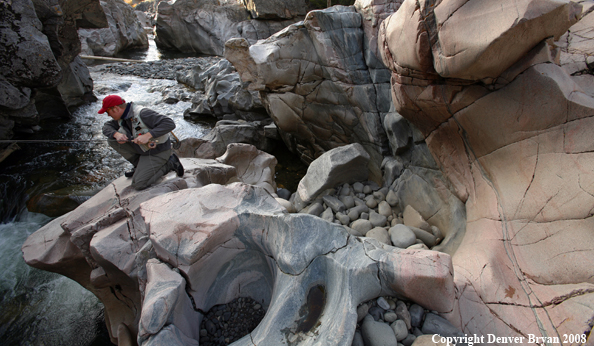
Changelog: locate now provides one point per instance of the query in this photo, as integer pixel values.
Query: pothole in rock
(226, 323)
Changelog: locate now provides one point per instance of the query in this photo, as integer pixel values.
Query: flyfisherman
(142, 137)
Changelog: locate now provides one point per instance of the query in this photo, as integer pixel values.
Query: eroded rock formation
(508, 127)
(321, 82)
(124, 30)
(204, 26)
(40, 71)
(160, 258)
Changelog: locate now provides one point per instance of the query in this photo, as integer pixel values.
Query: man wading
(142, 137)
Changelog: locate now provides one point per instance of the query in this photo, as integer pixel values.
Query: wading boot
(130, 173)
(176, 165)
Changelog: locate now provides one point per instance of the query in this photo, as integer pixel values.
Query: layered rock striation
(507, 126)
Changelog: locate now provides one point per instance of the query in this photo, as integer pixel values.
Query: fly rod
(57, 140)
(151, 144)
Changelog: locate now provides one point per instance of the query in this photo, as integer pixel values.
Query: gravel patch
(227, 323)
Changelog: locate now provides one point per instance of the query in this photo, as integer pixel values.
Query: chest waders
(140, 128)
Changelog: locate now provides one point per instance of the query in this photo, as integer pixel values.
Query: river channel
(42, 308)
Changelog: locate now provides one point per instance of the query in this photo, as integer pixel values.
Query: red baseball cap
(111, 101)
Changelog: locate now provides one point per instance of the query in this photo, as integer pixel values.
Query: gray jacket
(158, 123)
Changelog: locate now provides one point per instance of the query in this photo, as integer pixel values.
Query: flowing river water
(42, 308)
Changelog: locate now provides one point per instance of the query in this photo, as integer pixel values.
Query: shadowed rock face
(159, 258)
(39, 52)
(508, 127)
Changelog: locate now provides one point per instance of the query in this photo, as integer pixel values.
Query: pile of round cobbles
(158, 69)
(392, 321)
(226, 323)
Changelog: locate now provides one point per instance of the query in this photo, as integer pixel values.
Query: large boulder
(203, 26)
(321, 83)
(346, 164)
(40, 75)
(124, 31)
(79, 245)
(509, 128)
(219, 91)
(227, 132)
(273, 9)
(157, 259)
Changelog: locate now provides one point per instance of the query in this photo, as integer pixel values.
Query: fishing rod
(58, 140)
(151, 144)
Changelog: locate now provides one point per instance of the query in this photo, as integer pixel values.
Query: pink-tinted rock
(516, 152)
(186, 251)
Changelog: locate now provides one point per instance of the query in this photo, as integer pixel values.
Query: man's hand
(143, 139)
(120, 137)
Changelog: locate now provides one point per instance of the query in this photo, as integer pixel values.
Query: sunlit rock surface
(203, 26)
(508, 127)
(322, 82)
(124, 31)
(160, 257)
